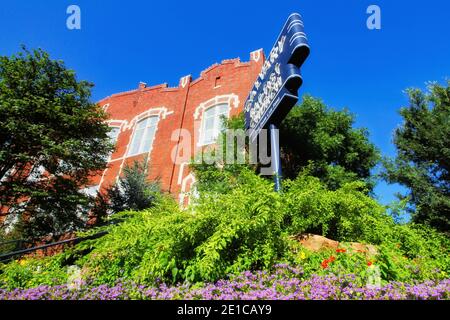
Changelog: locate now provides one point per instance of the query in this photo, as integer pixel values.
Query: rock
(371, 250)
(317, 243)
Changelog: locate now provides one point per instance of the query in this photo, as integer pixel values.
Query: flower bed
(286, 283)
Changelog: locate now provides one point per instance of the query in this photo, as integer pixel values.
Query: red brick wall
(179, 107)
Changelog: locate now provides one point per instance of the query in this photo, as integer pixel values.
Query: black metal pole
(275, 153)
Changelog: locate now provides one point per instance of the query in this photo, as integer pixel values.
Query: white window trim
(91, 190)
(202, 137)
(36, 173)
(161, 112)
(118, 134)
(188, 180)
(116, 140)
(8, 174)
(128, 154)
(105, 107)
(232, 100)
(10, 222)
(117, 123)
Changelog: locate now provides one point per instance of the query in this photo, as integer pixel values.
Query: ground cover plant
(285, 283)
(249, 228)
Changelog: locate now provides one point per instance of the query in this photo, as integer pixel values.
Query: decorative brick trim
(188, 181)
(117, 124)
(256, 55)
(232, 100)
(161, 112)
(181, 172)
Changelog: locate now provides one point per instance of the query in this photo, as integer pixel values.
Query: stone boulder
(317, 243)
(369, 249)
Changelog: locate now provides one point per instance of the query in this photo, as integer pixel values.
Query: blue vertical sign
(275, 91)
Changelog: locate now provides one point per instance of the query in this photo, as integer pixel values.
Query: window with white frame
(212, 123)
(143, 136)
(91, 191)
(36, 173)
(113, 134)
(10, 222)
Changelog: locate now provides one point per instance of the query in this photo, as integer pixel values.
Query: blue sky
(123, 42)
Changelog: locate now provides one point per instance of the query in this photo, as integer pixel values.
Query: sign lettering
(275, 91)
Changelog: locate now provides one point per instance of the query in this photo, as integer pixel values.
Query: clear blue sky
(124, 42)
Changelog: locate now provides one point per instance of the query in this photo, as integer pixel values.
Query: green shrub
(340, 215)
(237, 231)
(249, 227)
(33, 272)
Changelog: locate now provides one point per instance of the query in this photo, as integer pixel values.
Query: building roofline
(164, 86)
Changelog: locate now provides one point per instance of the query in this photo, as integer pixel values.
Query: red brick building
(146, 121)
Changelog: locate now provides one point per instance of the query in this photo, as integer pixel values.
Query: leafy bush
(225, 234)
(33, 272)
(325, 140)
(251, 227)
(341, 215)
(422, 163)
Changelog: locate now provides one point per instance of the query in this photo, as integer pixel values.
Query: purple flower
(286, 283)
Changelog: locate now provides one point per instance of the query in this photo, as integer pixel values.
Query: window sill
(137, 154)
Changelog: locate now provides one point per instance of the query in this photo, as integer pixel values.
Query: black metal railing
(13, 245)
(19, 251)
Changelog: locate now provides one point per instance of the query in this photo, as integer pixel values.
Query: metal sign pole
(275, 153)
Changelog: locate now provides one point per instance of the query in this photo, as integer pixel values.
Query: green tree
(52, 140)
(313, 138)
(217, 174)
(133, 191)
(423, 156)
(324, 141)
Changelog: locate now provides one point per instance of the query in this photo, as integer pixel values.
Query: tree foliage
(132, 192)
(245, 228)
(323, 140)
(313, 137)
(423, 155)
(251, 227)
(52, 139)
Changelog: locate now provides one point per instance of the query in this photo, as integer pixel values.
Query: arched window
(113, 134)
(143, 136)
(212, 123)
